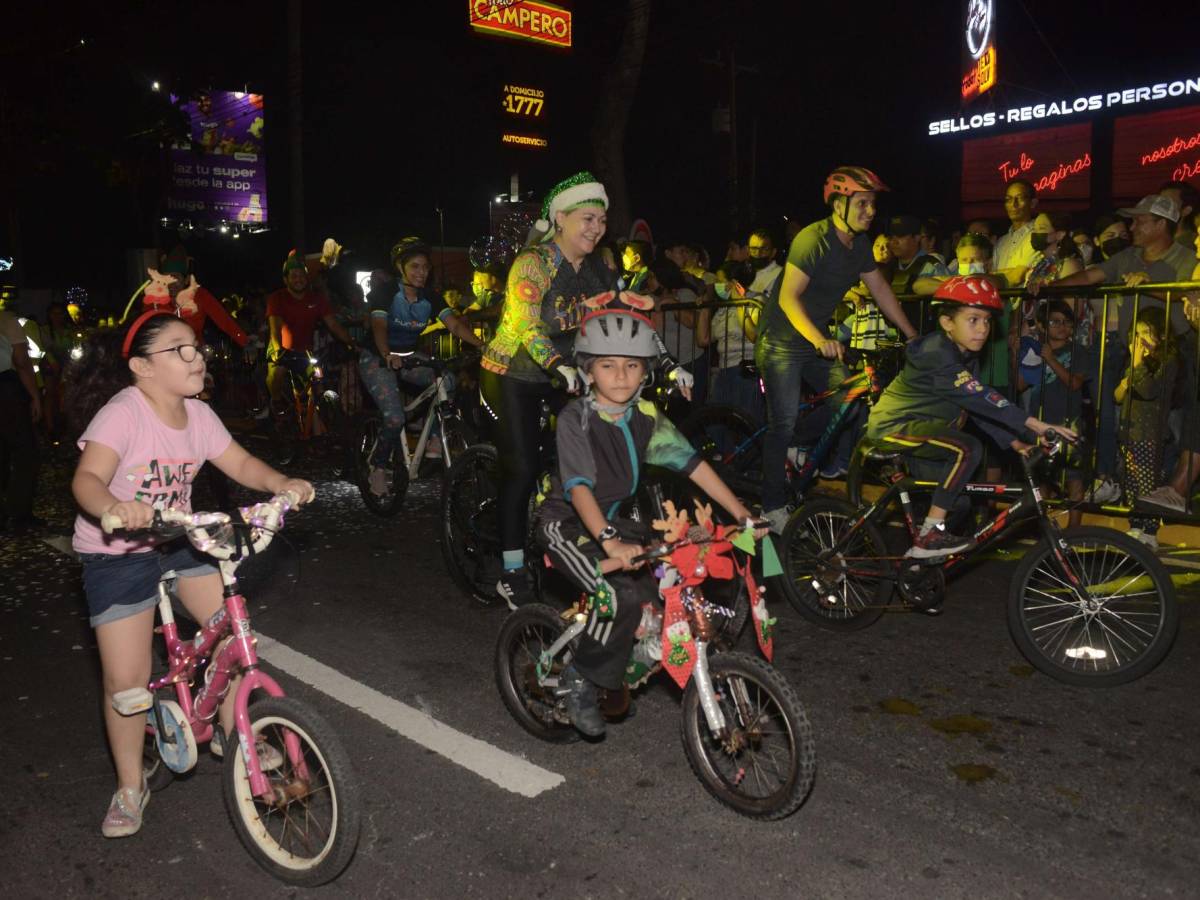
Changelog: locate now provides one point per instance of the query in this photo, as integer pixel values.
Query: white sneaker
(1104, 491)
(778, 519)
(797, 456)
(1149, 540)
(1166, 497)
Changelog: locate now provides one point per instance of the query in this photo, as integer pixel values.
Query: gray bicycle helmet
(616, 332)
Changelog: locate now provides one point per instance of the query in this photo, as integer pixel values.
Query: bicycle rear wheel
(306, 831)
(1116, 625)
(470, 537)
(834, 578)
(731, 443)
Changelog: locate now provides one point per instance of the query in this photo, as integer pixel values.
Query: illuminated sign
(1056, 161)
(979, 49)
(524, 140)
(1153, 148)
(529, 20)
(1067, 107)
(981, 77)
(525, 102)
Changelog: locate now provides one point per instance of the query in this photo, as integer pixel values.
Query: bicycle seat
(877, 452)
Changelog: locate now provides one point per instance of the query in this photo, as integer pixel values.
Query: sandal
(125, 812)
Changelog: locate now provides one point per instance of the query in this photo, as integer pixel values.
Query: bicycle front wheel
(305, 832)
(1098, 611)
(382, 488)
(763, 762)
(832, 577)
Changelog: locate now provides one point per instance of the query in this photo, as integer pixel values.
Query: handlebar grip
(110, 522)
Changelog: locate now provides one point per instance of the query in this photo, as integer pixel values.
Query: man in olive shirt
(794, 347)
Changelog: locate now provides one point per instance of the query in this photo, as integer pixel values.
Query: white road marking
(503, 769)
(61, 543)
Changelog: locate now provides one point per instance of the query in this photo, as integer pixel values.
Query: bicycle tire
(330, 791)
(523, 637)
(1119, 623)
(847, 599)
(470, 533)
(365, 440)
(719, 762)
(741, 471)
(154, 771)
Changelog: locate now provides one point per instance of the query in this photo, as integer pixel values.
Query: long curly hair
(101, 371)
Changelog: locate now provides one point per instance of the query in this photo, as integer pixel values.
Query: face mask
(1040, 241)
(722, 290)
(760, 262)
(1087, 251)
(976, 268)
(1115, 245)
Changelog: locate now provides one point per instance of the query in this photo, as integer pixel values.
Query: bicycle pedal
(133, 701)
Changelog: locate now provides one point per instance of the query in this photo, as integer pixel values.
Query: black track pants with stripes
(939, 453)
(604, 647)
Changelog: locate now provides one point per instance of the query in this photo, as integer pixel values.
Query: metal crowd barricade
(1169, 295)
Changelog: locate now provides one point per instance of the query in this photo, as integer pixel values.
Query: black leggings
(517, 406)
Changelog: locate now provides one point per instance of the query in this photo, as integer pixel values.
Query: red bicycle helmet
(850, 180)
(970, 290)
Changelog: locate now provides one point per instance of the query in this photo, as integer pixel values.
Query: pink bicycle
(290, 790)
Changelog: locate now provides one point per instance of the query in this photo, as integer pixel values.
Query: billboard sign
(1155, 148)
(528, 20)
(220, 174)
(979, 48)
(1056, 161)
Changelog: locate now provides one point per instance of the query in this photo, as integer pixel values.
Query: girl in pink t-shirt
(141, 450)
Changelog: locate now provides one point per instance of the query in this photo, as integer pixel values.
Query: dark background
(401, 116)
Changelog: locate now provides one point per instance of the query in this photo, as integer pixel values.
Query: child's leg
(125, 663)
(955, 453)
(201, 596)
(607, 641)
(1143, 460)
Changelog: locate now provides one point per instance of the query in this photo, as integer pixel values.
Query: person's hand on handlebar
(1038, 427)
(570, 378)
(301, 488)
(395, 361)
(134, 515)
(623, 552)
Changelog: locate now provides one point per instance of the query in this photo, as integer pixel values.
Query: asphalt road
(947, 766)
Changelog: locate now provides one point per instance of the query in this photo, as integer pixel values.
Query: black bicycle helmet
(408, 247)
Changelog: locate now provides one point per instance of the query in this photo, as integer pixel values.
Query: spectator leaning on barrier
(732, 330)
(1112, 236)
(915, 271)
(1014, 254)
(761, 249)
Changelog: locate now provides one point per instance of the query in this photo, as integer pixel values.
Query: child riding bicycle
(145, 440)
(604, 438)
(923, 411)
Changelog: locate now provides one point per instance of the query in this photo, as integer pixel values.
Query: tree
(612, 116)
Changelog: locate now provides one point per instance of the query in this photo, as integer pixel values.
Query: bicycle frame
(412, 460)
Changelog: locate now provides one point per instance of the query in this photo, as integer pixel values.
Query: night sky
(401, 109)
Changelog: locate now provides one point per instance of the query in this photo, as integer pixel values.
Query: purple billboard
(221, 174)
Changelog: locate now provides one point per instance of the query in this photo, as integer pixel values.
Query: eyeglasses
(758, 251)
(1059, 322)
(187, 352)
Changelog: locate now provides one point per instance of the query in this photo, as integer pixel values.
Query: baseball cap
(1155, 205)
(903, 226)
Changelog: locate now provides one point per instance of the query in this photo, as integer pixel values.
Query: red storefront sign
(529, 20)
(1056, 161)
(1151, 149)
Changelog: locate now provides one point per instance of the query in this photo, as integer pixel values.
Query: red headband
(137, 324)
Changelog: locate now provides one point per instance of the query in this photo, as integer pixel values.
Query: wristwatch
(607, 534)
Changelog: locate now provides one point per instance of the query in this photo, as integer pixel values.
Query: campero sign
(529, 20)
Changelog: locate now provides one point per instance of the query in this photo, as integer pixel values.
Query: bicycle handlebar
(666, 548)
(264, 519)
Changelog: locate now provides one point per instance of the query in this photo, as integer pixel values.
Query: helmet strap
(849, 229)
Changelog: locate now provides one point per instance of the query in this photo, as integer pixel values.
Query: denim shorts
(119, 585)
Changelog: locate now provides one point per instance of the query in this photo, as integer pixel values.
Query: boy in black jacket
(922, 412)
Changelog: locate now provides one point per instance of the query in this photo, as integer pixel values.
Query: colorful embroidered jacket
(543, 306)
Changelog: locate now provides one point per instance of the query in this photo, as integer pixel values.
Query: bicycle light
(331, 396)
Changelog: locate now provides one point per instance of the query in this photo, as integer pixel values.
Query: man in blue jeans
(794, 348)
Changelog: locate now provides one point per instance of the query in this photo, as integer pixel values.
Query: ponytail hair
(102, 371)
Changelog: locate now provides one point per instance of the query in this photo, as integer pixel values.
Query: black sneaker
(583, 703)
(516, 588)
(938, 542)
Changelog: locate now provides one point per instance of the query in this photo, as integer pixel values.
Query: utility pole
(295, 124)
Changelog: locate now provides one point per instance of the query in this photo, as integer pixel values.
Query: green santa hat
(581, 189)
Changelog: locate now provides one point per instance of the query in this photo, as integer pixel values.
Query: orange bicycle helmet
(850, 180)
(970, 290)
